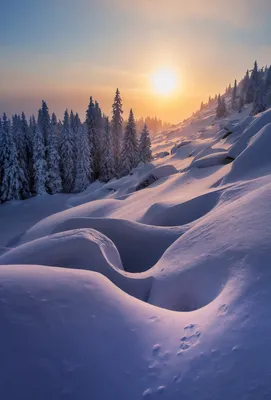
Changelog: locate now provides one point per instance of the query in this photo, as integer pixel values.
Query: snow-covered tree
(129, 153)
(107, 165)
(94, 124)
(53, 181)
(241, 102)
(75, 126)
(221, 110)
(44, 122)
(13, 178)
(39, 163)
(234, 96)
(98, 138)
(253, 84)
(267, 88)
(20, 135)
(258, 102)
(116, 130)
(67, 155)
(72, 121)
(90, 125)
(83, 163)
(28, 134)
(145, 154)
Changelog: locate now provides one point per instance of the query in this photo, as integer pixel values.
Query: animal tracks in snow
(190, 339)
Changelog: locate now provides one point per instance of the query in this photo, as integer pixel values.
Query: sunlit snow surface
(164, 291)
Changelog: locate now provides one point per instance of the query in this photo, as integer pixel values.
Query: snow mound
(63, 332)
(46, 226)
(211, 160)
(224, 260)
(115, 189)
(131, 239)
(162, 154)
(189, 149)
(155, 174)
(238, 129)
(255, 160)
(78, 249)
(255, 126)
(163, 214)
(178, 146)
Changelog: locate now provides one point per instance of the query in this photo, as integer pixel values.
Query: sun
(164, 81)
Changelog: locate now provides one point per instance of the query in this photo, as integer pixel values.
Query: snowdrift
(140, 246)
(254, 127)
(155, 174)
(255, 160)
(78, 249)
(158, 293)
(219, 158)
(162, 214)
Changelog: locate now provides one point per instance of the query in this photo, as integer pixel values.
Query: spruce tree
(31, 134)
(116, 130)
(107, 165)
(221, 110)
(129, 153)
(90, 125)
(241, 102)
(234, 97)
(258, 102)
(253, 84)
(39, 162)
(244, 87)
(72, 121)
(98, 138)
(44, 122)
(267, 88)
(145, 154)
(67, 155)
(75, 126)
(28, 135)
(13, 178)
(20, 134)
(83, 163)
(53, 181)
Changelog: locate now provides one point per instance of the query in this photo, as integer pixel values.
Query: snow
(257, 123)
(78, 249)
(255, 160)
(155, 174)
(162, 292)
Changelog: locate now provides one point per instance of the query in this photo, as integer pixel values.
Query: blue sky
(65, 51)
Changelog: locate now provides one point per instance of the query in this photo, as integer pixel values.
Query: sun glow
(164, 81)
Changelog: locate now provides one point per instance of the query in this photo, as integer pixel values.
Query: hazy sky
(63, 51)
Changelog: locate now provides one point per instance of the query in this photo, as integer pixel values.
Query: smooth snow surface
(158, 293)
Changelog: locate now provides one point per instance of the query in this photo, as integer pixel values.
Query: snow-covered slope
(163, 292)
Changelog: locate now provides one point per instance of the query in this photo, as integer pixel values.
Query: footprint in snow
(223, 310)
(191, 338)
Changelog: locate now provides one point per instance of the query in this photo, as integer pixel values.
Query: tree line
(50, 156)
(254, 89)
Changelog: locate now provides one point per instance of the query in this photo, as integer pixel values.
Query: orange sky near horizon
(90, 49)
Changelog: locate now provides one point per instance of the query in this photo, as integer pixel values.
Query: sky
(64, 51)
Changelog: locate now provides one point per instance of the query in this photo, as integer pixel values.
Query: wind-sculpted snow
(255, 160)
(162, 214)
(78, 248)
(219, 158)
(254, 127)
(140, 246)
(178, 304)
(155, 174)
(83, 249)
(45, 227)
